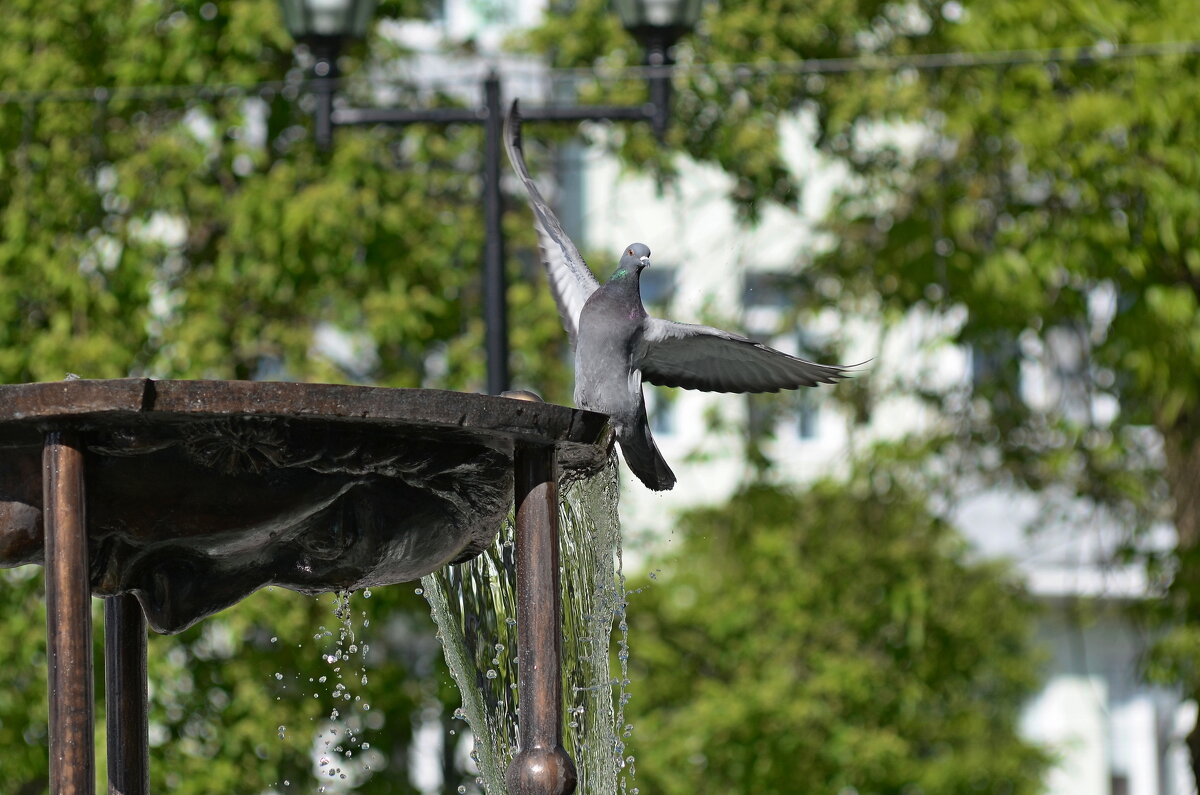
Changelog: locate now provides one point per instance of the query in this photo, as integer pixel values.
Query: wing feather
(712, 360)
(571, 281)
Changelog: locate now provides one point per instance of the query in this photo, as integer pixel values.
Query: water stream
(340, 734)
(474, 606)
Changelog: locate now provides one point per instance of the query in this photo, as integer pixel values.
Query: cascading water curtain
(474, 606)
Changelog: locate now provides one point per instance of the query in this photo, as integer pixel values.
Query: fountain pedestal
(175, 499)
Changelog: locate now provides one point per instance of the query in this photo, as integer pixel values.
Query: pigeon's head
(635, 257)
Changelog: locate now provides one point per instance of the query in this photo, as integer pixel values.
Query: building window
(491, 12)
(792, 414)
(996, 369)
(807, 409)
(658, 285)
(435, 10)
(661, 410)
(769, 289)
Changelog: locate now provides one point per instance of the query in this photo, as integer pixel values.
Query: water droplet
(282, 731)
(278, 675)
(491, 673)
(418, 591)
(367, 593)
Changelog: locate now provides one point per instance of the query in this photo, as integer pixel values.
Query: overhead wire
(1082, 55)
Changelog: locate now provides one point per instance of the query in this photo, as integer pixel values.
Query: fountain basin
(200, 492)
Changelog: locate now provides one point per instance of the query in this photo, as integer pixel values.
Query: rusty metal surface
(125, 696)
(68, 619)
(200, 492)
(541, 766)
(500, 420)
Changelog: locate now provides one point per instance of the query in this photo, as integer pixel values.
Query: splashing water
(474, 606)
(340, 734)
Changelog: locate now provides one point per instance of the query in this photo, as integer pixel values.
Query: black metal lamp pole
(657, 24)
(495, 300)
(325, 51)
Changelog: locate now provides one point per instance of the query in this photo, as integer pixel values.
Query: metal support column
(541, 766)
(125, 697)
(494, 283)
(68, 617)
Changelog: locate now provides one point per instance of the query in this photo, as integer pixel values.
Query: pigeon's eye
(629, 252)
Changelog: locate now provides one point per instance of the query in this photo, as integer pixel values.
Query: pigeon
(618, 345)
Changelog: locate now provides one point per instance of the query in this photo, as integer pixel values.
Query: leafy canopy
(839, 637)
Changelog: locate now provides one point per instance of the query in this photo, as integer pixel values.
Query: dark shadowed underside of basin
(200, 492)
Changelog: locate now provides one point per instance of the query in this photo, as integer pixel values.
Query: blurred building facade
(1112, 733)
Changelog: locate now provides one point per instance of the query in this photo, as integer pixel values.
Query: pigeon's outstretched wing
(712, 360)
(570, 279)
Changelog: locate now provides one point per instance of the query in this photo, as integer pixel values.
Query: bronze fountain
(175, 499)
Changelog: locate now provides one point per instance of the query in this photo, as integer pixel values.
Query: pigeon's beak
(645, 262)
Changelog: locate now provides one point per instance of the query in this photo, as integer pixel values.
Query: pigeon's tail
(642, 456)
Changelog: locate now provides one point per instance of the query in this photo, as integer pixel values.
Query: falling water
(474, 605)
(340, 734)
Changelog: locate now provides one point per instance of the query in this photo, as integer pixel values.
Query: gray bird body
(618, 345)
(608, 342)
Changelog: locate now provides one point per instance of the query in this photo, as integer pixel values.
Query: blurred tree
(155, 226)
(831, 641)
(1039, 209)
(163, 212)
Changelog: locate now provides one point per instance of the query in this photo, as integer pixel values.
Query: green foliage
(197, 233)
(838, 637)
(23, 701)
(180, 223)
(222, 690)
(239, 702)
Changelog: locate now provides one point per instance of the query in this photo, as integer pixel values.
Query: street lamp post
(323, 25)
(658, 25)
(326, 25)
